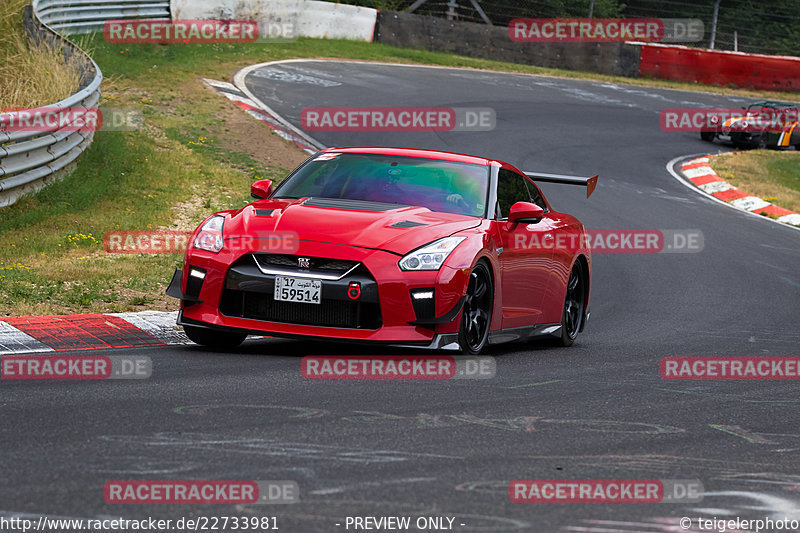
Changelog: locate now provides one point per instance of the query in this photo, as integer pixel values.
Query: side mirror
(525, 212)
(261, 189)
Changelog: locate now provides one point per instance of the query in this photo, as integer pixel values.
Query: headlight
(431, 256)
(210, 236)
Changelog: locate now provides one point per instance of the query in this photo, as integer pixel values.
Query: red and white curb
(35, 334)
(699, 173)
(274, 122)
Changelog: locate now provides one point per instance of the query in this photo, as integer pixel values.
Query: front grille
(329, 313)
(250, 283)
(337, 267)
(340, 265)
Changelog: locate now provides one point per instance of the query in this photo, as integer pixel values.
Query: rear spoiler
(589, 183)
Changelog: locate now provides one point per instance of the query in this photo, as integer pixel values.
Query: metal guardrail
(31, 159)
(85, 16)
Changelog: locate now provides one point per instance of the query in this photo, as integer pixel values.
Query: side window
(512, 188)
(536, 195)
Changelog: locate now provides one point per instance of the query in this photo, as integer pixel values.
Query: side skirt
(524, 333)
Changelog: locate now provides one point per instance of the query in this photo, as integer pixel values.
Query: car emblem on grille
(303, 262)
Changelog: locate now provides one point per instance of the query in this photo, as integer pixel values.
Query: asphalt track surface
(376, 448)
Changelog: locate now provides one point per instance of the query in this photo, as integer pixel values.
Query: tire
(219, 340)
(763, 139)
(740, 144)
(476, 315)
(707, 136)
(574, 306)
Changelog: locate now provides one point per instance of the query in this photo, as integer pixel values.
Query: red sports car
(388, 245)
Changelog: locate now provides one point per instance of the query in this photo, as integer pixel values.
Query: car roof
(414, 152)
(425, 154)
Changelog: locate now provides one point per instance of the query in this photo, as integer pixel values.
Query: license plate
(300, 290)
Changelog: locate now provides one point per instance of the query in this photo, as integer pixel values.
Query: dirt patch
(146, 301)
(239, 132)
(185, 213)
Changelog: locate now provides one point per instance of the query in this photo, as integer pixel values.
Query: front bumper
(236, 293)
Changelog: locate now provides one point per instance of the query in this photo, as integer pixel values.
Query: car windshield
(444, 186)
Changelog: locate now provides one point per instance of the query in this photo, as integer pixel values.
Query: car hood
(396, 229)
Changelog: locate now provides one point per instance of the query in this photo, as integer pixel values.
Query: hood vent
(406, 224)
(264, 212)
(352, 205)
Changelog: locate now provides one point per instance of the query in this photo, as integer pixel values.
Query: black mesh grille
(330, 313)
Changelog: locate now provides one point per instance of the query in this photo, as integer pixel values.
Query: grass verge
(196, 153)
(768, 174)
